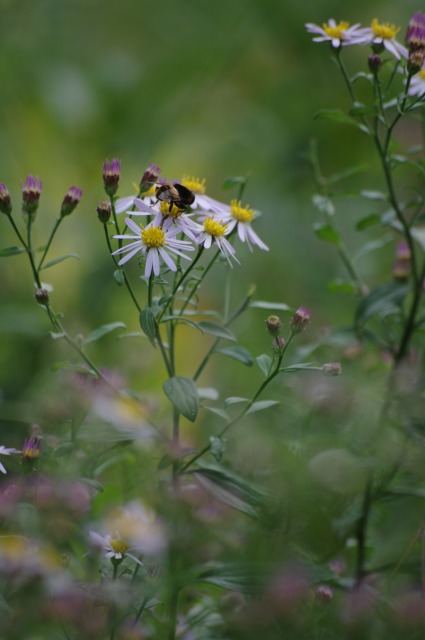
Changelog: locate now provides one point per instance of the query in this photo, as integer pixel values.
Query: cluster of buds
(111, 176)
(274, 325)
(401, 267)
(415, 40)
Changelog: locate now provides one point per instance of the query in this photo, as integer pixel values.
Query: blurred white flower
(339, 35)
(384, 34)
(115, 547)
(5, 451)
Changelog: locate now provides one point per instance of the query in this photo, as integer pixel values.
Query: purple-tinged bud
(31, 450)
(401, 270)
(415, 62)
(278, 343)
(374, 61)
(300, 319)
(70, 201)
(324, 593)
(42, 296)
(273, 325)
(104, 211)
(150, 176)
(5, 199)
(31, 192)
(403, 252)
(111, 176)
(332, 369)
(415, 34)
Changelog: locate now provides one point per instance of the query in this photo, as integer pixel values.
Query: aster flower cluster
(176, 225)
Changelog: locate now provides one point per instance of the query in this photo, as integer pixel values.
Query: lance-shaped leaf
(238, 353)
(382, 300)
(11, 251)
(217, 330)
(148, 323)
(327, 233)
(232, 575)
(183, 394)
(60, 259)
(103, 331)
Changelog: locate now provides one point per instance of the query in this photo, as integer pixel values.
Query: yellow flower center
(194, 184)
(384, 30)
(118, 545)
(421, 74)
(153, 237)
(241, 214)
(214, 228)
(150, 193)
(336, 32)
(174, 212)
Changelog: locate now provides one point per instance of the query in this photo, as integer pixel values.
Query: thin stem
(179, 282)
(345, 74)
(49, 242)
(362, 528)
(126, 280)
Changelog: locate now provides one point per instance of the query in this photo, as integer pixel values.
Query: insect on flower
(175, 194)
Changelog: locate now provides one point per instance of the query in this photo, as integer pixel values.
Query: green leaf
(346, 173)
(4, 607)
(103, 331)
(218, 412)
(95, 484)
(148, 323)
(369, 221)
(341, 286)
(182, 393)
(215, 329)
(234, 181)
(264, 362)
(234, 400)
(217, 447)
(61, 259)
(327, 233)
(270, 306)
(339, 116)
(11, 251)
(360, 109)
(119, 276)
(238, 353)
(132, 334)
(181, 320)
(232, 576)
(373, 246)
(383, 300)
(419, 235)
(261, 405)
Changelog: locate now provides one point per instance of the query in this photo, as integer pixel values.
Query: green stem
(126, 280)
(179, 282)
(49, 242)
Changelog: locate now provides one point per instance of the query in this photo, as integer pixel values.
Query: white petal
(167, 259)
(122, 204)
(128, 256)
(133, 226)
(149, 264)
(2, 469)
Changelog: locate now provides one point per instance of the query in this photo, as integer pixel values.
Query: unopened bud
(5, 200)
(150, 176)
(31, 192)
(415, 62)
(300, 319)
(374, 61)
(332, 369)
(403, 251)
(401, 270)
(415, 35)
(70, 201)
(42, 296)
(111, 176)
(104, 211)
(278, 343)
(324, 593)
(273, 325)
(31, 450)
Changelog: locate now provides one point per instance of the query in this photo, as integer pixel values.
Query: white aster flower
(168, 217)
(240, 216)
(115, 546)
(213, 230)
(339, 35)
(202, 201)
(417, 84)
(5, 451)
(383, 34)
(153, 243)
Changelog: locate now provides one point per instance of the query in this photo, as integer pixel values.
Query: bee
(175, 194)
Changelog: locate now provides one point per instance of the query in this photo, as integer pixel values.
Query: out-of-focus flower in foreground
(339, 35)
(5, 451)
(116, 547)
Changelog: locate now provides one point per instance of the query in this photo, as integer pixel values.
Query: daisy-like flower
(5, 451)
(116, 547)
(213, 230)
(240, 216)
(383, 35)
(168, 217)
(153, 243)
(202, 201)
(417, 84)
(339, 35)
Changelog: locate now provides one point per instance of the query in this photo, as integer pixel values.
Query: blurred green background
(211, 89)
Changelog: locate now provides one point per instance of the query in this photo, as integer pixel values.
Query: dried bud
(415, 61)
(111, 176)
(150, 176)
(273, 325)
(374, 61)
(31, 450)
(31, 192)
(104, 211)
(401, 270)
(5, 200)
(415, 34)
(300, 319)
(70, 201)
(42, 296)
(332, 369)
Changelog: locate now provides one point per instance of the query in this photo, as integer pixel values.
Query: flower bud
(104, 211)
(278, 343)
(111, 176)
(42, 296)
(5, 200)
(415, 34)
(31, 450)
(374, 61)
(403, 252)
(415, 62)
(401, 270)
(324, 593)
(332, 369)
(300, 319)
(150, 176)
(273, 325)
(70, 201)
(31, 192)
